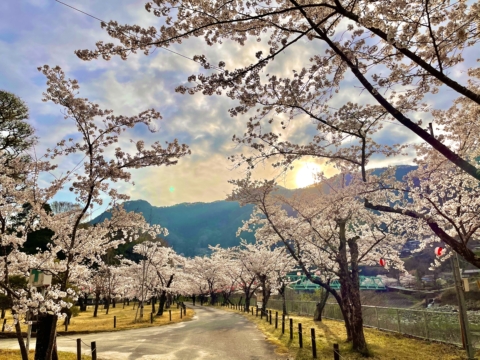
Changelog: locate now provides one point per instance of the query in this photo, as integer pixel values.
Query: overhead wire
(157, 46)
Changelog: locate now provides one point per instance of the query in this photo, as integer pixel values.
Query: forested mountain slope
(194, 226)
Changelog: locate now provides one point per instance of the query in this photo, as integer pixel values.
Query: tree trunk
(265, 293)
(356, 322)
(107, 305)
(247, 304)
(317, 316)
(97, 301)
(284, 300)
(46, 348)
(169, 301)
(21, 342)
(161, 303)
(213, 298)
(81, 303)
(113, 303)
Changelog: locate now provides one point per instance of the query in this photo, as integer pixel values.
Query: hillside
(194, 226)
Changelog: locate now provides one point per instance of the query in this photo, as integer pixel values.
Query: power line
(173, 52)
(164, 48)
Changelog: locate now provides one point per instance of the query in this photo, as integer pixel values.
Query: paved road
(213, 334)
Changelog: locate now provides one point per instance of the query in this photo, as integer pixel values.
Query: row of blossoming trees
(358, 218)
(358, 66)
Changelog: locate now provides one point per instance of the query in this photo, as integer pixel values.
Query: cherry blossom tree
(164, 264)
(440, 201)
(268, 264)
(74, 246)
(207, 273)
(331, 234)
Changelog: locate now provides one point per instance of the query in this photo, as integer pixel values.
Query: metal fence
(426, 324)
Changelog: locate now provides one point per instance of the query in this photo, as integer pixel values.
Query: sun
(306, 174)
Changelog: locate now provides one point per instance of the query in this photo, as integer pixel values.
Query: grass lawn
(15, 355)
(85, 322)
(382, 345)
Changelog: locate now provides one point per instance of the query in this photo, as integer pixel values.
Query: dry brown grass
(15, 355)
(85, 322)
(382, 345)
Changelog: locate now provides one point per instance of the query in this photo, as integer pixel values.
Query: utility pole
(462, 308)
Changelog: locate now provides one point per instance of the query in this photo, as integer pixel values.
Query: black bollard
(314, 343)
(336, 352)
(300, 338)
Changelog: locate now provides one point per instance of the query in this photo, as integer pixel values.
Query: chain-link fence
(431, 325)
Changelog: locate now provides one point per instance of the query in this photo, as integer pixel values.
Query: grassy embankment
(86, 323)
(382, 345)
(15, 355)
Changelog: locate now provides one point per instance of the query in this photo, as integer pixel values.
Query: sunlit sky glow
(38, 32)
(306, 174)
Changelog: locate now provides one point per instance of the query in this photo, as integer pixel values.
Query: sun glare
(306, 174)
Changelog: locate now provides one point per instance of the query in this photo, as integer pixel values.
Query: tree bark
(162, 301)
(21, 342)
(247, 304)
(317, 316)
(97, 300)
(82, 303)
(46, 348)
(107, 305)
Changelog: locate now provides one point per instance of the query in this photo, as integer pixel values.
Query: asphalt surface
(212, 334)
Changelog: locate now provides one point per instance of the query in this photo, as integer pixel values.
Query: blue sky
(38, 32)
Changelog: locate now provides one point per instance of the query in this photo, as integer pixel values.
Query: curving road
(213, 334)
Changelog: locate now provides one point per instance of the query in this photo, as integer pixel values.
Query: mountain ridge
(194, 226)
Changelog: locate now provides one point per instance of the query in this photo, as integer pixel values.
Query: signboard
(39, 279)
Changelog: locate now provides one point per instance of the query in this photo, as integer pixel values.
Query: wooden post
(426, 324)
(291, 329)
(79, 349)
(114, 322)
(181, 313)
(300, 339)
(170, 314)
(184, 310)
(270, 317)
(314, 343)
(283, 324)
(398, 322)
(276, 319)
(151, 318)
(336, 352)
(94, 350)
